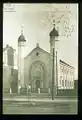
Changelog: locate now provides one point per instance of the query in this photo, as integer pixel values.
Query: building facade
(37, 68)
(66, 76)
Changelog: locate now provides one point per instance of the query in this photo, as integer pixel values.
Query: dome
(21, 38)
(54, 33)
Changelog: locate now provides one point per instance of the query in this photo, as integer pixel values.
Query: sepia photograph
(40, 58)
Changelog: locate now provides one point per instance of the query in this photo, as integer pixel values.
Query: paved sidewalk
(40, 100)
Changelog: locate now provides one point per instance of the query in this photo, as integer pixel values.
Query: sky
(37, 22)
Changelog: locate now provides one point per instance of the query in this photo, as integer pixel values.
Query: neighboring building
(36, 68)
(66, 76)
(76, 87)
(8, 67)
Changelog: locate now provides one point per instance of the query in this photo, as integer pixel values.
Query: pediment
(37, 50)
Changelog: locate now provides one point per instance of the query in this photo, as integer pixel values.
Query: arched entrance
(37, 75)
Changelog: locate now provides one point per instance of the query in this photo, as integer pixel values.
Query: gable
(36, 51)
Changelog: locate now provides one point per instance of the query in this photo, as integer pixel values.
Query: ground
(40, 106)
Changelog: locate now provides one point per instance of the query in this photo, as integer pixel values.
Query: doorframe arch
(44, 69)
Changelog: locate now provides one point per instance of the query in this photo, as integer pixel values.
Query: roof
(66, 63)
(7, 47)
(21, 38)
(37, 47)
(54, 33)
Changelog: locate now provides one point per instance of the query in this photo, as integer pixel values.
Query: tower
(53, 38)
(21, 45)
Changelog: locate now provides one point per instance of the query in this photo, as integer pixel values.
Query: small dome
(54, 33)
(21, 38)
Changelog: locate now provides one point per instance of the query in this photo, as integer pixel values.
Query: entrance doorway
(37, 84)
(36, 75)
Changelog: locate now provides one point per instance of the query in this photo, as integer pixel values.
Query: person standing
(29, 92)
(10, 91)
